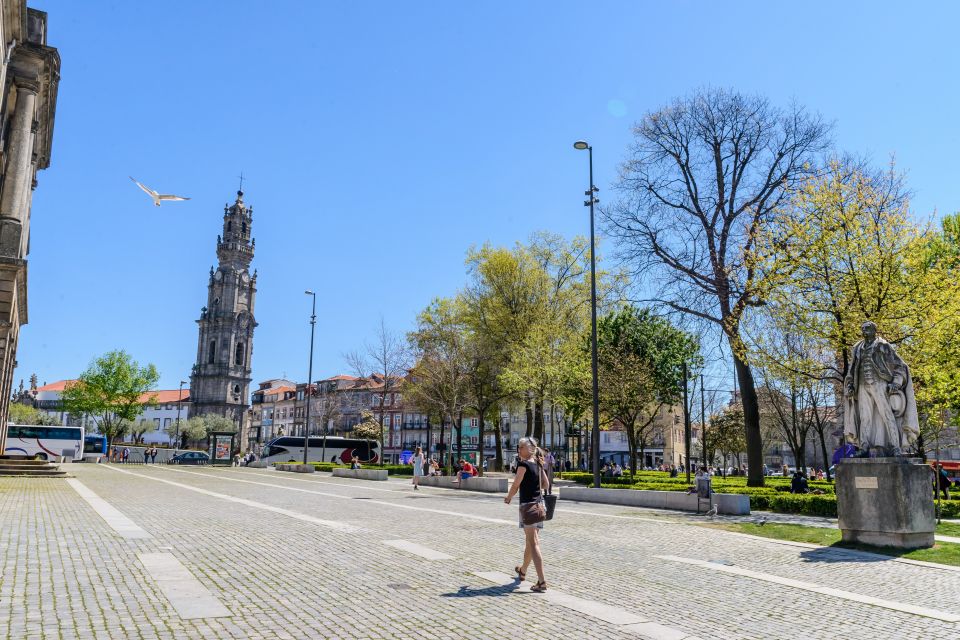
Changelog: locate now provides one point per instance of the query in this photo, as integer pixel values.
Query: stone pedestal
(885, 502)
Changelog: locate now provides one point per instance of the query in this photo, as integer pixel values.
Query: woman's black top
(530, 485)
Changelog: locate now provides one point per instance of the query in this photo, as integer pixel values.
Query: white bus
(46, 443)
(335, 449)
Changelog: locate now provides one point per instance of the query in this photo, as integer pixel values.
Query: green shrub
(810, 505)
(392, 469)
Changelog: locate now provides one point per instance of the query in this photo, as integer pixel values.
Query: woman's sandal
(540, 587)
(520, 574)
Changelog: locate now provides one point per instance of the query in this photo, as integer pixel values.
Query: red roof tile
(165, 396)
(59, 385)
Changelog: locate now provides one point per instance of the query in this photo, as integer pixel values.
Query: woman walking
(530, 481)
(418, 460)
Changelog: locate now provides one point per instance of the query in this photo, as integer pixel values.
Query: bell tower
(220, 380)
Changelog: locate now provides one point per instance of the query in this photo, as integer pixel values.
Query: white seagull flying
(157, 197)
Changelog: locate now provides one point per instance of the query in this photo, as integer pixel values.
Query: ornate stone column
(18, 178)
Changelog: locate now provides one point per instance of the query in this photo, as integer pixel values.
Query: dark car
(190, 457)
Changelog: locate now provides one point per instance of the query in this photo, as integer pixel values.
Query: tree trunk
(751, 419)
(538, 420)
(529, 411)
(459, 436)
(442, 445)
(498, 443)
(483, 424)
(823, 452)
(632, 445)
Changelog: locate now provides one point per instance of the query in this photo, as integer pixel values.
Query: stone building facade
(220, 380)
(29, 77)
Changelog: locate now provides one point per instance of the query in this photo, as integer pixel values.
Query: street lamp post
(176, 444)
(313, 324)
(581, 145)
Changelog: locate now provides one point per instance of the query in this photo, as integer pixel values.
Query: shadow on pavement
(842, 553)
(495, 591)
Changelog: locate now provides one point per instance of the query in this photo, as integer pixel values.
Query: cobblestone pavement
(293, 556)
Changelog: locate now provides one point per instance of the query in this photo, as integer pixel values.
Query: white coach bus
(44, 442)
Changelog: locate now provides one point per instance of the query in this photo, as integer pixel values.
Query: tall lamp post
(313, 324)
(582, 145)
(176, 444)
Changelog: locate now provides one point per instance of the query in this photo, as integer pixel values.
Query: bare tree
(385, 362)
(705, 175)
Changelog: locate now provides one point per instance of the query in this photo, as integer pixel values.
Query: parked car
(190, 457)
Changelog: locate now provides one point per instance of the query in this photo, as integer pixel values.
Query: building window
(156, 421)
(474, 422)
(238, 357)
(212, 355)
(166, 423)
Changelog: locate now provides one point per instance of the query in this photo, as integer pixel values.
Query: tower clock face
(218, 276)
(245, 277)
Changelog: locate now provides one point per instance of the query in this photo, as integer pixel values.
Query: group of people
(245, 459)
(123, 455)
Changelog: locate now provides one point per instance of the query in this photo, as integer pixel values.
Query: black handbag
(549, 501)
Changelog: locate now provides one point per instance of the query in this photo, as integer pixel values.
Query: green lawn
(949, 529)
(941, 552)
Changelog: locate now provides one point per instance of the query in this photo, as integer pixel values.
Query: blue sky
(381, 139)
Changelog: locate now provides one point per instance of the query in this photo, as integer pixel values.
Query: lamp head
(581, 145)
(309, 293)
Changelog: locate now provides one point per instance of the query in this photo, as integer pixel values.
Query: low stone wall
(296, 468)
(485, 485)
(361, 474)
(726, 503)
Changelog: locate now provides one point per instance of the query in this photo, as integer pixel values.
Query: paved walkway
(155, 552)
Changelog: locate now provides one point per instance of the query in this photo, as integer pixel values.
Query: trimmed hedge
(392, 469)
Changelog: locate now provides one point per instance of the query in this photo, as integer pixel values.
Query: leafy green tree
(368, 429)
(110, 390)
(727, 433)
(640, 365)
(193, 431)
(25, 414)
(139, 428)
(438, 379)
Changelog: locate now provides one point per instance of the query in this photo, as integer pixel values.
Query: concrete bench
(726, 503)
(486, 485)
(296, 468)
(361, 474)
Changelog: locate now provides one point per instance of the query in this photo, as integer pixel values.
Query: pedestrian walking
(530, 481)
(417, 461)
(153, 456)
(548, 463)
(943, 481)
(125, 455)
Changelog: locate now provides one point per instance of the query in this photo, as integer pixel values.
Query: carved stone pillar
(18, 177)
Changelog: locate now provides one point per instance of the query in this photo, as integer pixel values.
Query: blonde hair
(531, 443)
(419, 451)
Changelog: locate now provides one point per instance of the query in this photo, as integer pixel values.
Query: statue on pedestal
(880, 410)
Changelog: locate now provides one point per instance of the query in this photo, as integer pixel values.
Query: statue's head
(869, 330)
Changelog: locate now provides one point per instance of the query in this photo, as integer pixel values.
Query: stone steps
(12, 466)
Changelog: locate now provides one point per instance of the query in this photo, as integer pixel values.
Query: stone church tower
(220, 381)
